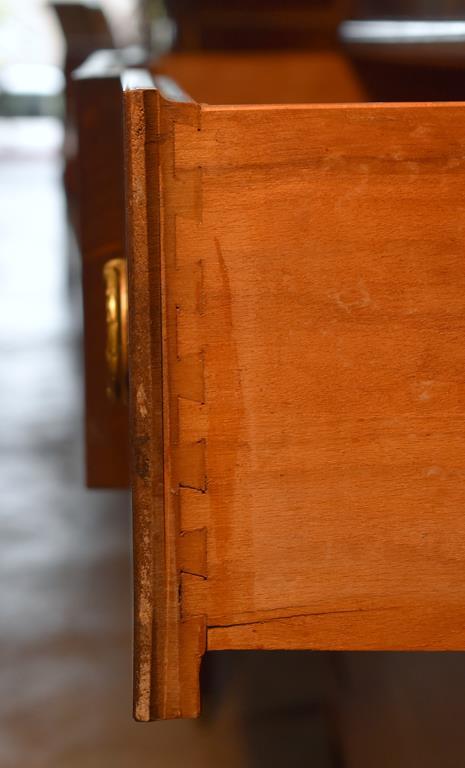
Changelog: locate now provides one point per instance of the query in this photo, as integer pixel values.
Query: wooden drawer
(297, 373)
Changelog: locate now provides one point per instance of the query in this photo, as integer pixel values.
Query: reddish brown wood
(257, 24)
(418, 627)
(101, 238)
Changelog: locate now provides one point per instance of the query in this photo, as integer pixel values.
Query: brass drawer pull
(116, 349)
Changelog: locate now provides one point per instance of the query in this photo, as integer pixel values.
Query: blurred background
(65, 552)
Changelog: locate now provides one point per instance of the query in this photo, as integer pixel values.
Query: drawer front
(102, 240)
(298, 369)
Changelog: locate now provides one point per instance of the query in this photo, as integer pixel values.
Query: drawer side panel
(333, 316)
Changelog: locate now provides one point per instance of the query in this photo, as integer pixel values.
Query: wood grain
(332, 295)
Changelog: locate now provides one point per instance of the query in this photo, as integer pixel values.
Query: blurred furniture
(85, 30)
(295, 314)
(411, 9)
(408, 60)
(256, 24)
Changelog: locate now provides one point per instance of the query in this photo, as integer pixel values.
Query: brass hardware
(116, 350)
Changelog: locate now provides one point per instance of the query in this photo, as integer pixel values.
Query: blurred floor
(65, 603)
